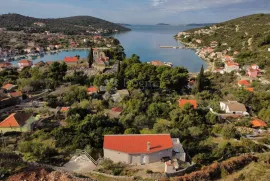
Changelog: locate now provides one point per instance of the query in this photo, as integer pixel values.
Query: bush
(117, 171)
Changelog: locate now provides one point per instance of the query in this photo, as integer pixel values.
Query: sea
(144, 41)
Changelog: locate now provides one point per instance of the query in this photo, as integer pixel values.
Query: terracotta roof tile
(70, 59)
(8, 86)
(15, 94)
(182, 102)
(92, 89)
(134, 144)
(117, 109)
(244, 82)
(15, 120)
(258, 123)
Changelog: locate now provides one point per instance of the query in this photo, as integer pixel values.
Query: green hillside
(250, 35)
(69, 25)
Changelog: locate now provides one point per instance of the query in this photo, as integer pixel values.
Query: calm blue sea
(144, 40)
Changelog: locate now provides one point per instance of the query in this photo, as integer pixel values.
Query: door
(143, 159)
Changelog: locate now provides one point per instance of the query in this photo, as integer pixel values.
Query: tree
(228, 131)
(131, 131)
(57, 71)
(200, 80)
(90, 58)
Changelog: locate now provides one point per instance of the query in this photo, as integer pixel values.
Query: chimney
(148, 146)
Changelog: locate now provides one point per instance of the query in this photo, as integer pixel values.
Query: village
(101, 116)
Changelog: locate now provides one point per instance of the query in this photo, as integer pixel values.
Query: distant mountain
(201, 24)
(163, 24)
(123, 24)
(69, 25)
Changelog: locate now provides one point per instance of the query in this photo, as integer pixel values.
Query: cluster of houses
(158, 63)
(9, 95)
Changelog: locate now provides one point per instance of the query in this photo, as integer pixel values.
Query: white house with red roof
(25, 63)
(141, 148)
(231, 66)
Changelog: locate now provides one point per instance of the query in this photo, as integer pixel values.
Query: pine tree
(90, 58)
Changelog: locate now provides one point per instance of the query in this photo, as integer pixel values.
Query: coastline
(210, 65)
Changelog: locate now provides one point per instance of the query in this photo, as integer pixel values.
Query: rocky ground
(42, 174)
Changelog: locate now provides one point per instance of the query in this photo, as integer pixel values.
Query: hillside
(249, 35)
(69, 25)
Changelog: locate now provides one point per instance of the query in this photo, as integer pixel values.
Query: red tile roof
(244, 82)
(15, 120)
(92, 89)
(15, 94)
(70, 59)
(157, 63)
(258, 123)
(229, 64)
(64, 109)
(25, 61)
(5, 65)
(135, 144)
(8, 86)
(117, 109)
(182, 102)
(250, 89)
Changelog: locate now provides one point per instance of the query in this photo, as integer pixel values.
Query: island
(164, 24)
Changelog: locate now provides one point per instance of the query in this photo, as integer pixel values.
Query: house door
(143, 159)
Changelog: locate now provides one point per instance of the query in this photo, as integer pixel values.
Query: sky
(139, 11)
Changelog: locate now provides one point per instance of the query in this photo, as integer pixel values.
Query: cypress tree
(200, 80)
(90, 58)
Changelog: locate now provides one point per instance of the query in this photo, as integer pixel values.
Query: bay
(144, 40)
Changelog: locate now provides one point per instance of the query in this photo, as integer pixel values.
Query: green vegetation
(248, 35)
(71, 25)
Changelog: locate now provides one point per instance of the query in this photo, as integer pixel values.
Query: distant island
(201, 24)
(163, 24)
(124, 24)
(69, 25)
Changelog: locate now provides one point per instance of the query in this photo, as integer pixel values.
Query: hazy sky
(139, 11)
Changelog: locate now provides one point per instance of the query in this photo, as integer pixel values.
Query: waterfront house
(183, 102)
(71, 60)
(257, 123)
(231, 66)
(25, 63)
(92, 90)
(140, 148)
(39, 64)
(5, 65)
(243, 83)
(233, 107)
(18, 122)
(157, 63)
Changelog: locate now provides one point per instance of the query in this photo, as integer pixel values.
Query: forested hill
(250, 35)
(69, 25)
